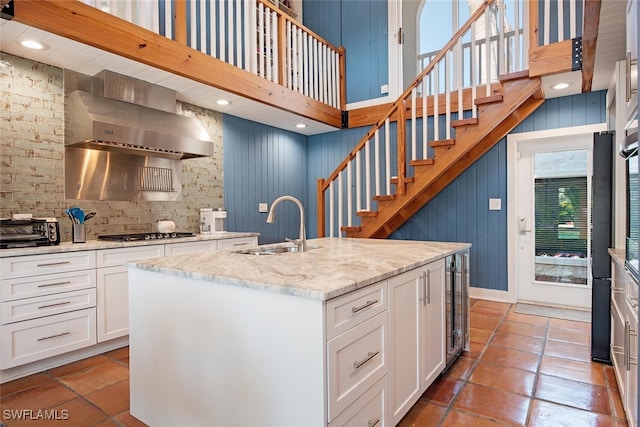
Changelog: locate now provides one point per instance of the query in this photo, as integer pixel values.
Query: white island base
(349, 333)
(203, 354)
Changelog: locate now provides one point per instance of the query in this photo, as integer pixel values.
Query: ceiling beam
(589, 41)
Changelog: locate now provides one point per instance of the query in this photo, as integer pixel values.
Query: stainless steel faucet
(301, 242)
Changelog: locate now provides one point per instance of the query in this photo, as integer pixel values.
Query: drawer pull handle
(373, 423)
(362, 307)
(240, 244)
(54, 284)
(370, 355)
(617, 290)
(55, 305)
(49, 264)
(54, 336)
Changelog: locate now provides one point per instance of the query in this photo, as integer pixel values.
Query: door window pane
(561, 217)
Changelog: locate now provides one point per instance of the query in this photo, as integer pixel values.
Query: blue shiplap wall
(361, 27)
(262, 163)
(461, 211)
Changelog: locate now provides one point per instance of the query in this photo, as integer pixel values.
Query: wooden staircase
(498, 114)
(462, 109)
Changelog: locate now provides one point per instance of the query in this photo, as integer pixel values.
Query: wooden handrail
(399, 104)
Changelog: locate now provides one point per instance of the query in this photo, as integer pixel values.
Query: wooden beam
(88, 25)
(589, 41)
(551, 59)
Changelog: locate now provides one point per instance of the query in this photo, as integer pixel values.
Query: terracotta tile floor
(522, 370)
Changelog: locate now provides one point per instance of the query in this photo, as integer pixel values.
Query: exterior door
(553, 216)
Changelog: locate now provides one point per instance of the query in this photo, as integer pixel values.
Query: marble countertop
(90, 245)
(329, 268)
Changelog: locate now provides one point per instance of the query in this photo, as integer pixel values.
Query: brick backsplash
(32, 160)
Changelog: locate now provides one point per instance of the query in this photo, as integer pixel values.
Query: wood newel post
(343, 78)
(320, 207)
(180, 21)
(402, 139)
(533, 24)
(282, 51)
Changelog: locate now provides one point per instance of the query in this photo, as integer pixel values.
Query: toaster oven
(22, 233)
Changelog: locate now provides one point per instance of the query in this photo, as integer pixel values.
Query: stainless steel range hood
(117, 113)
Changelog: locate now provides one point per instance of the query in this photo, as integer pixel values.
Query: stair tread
(442, 143)
(423, 162)
(513, 76)
(488, 99)
(464, 122)
(384, 197)
(394, 179)
(351, 229)
(367, 213)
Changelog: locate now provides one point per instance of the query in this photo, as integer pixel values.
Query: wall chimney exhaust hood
(116, 113)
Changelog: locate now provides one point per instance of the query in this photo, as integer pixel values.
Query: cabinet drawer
(37, 339)
(190, 247)
(356, 360)
(370, 409)
(26, 287)
(351, 309)
(237, 243)
(32, 308)
(119, 256)
(36, 265)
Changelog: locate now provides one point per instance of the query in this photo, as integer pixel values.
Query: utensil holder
(78, 233)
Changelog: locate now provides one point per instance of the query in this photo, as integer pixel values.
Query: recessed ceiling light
(223, 102)
(301, 126)
(559, 86)
(33, 44)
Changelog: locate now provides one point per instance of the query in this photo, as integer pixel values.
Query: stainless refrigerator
(600, 243)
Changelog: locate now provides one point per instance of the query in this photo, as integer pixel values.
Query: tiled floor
(521, 370)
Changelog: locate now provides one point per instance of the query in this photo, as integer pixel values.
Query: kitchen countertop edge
(303, 274)
(91, 245)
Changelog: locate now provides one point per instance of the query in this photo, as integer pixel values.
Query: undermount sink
(268, 251)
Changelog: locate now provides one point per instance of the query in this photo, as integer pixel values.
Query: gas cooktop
(142, 236)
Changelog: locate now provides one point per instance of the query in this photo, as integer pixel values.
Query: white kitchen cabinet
(624, 339)
(237, 243)
(47, 306)
(416, 307)
(190, 247)
(113, 288)
(369, 410)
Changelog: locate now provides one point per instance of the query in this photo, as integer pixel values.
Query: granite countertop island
(286, 339)
(329, 268)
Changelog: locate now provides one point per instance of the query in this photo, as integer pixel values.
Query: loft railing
(254, 35)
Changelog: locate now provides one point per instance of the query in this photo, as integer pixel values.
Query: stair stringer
(521, 97)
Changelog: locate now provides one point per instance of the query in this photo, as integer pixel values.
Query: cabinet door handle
(370, 355)
(633, 302)
(373, 423)
(54, 305)
(54, 336)
(54, 284)
(365, 305)
(240, 244)
(49, 264)
(428, 276)
(627, 344)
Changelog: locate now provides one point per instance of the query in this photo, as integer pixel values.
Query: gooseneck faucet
(301, 243)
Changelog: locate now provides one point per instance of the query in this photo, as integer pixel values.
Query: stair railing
(445, 90)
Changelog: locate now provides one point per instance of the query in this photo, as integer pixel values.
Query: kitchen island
(299, 339)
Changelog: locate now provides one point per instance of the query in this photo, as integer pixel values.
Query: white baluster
(387, 154)
(376, 156)
(358, 182)
(168, 20)
(425, 120)
(260, 39)
(349, 196)
(572, 19)
(267, 43)
(223, 31)
(547, 21)
(214, 35)
(474, 70)
(340, 203)
(275, 43)
(414, 137)
(331, 210)
(560, 14)
(193, 33)
(238, 6)
(230, 46)
(367, 174)
(436, 102)
(447, 94)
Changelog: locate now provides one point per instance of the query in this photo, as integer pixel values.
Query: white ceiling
(65, 53)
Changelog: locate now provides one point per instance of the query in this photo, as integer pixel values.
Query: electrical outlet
(495, 204)
(384, 89)
(263, 207)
